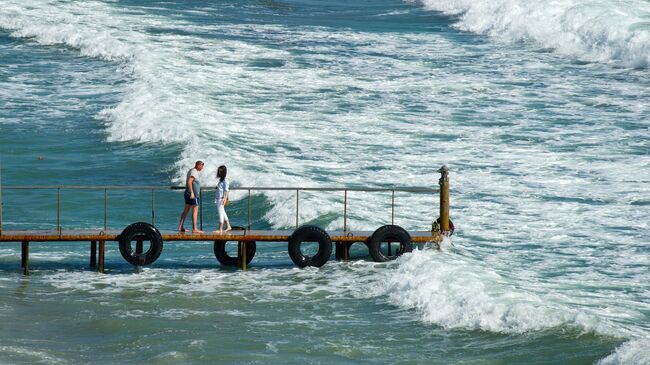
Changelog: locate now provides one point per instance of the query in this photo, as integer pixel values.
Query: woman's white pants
(222, 213)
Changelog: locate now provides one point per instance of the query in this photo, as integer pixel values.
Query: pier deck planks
(254, 235)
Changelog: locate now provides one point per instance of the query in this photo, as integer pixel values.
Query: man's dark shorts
(189, 201)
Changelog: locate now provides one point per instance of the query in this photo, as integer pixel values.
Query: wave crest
(600, 31)
(463, 294)
(631, 352)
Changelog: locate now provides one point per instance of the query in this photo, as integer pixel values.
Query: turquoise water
(540, 111)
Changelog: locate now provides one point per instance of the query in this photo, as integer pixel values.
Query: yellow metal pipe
(444, 199)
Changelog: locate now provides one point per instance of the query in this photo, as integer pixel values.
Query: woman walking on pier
(221, 198)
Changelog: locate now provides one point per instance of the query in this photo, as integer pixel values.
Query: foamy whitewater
(603, 31)
(539, 109)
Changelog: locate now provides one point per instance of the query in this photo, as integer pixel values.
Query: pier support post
(243, 255)
(444, 199)
(342, 251)
(139, 247)
(100, 266)
(24, 257)
(93, 253)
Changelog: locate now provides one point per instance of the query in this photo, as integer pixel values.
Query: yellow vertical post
(24, 257)
(444, 198)
(100, 266)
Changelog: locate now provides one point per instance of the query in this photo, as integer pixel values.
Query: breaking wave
(602, 31)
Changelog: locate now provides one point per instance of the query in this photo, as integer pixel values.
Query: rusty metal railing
(444, 197)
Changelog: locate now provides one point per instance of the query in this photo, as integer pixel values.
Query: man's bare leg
(195, 218)
(182, 222)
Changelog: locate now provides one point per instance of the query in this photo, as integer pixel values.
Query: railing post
(153, 202)
(392, 209)
(444, 199)
(58, 210)
(345, 211)
(105, 208)
(249, 210)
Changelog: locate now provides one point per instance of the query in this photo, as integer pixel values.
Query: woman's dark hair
(221, 172)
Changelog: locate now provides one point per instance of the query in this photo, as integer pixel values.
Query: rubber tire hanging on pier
(452, 228)
(145, 232)
(310, 234)
(222, 255)
(389, 233)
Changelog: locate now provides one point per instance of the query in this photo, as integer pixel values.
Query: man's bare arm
(189, 186)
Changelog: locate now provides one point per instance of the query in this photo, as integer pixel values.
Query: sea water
(541, 111)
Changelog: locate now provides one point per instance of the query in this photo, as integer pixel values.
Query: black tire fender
(389, 233)
(222, 255)
(310, 234)
(452, 228)
(145, 232)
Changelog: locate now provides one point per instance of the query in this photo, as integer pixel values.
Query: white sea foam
(175, 314)
(70, 282)
(29, 355)
(594, 30)
(224, 111)
(455, 292)
(635, 352)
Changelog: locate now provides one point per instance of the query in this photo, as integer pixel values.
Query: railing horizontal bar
(126, 187)
(92, 187)
(410, 190)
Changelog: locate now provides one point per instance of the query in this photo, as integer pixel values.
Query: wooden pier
(385, 243)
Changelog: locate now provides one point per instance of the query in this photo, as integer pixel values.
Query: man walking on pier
(192, 190)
